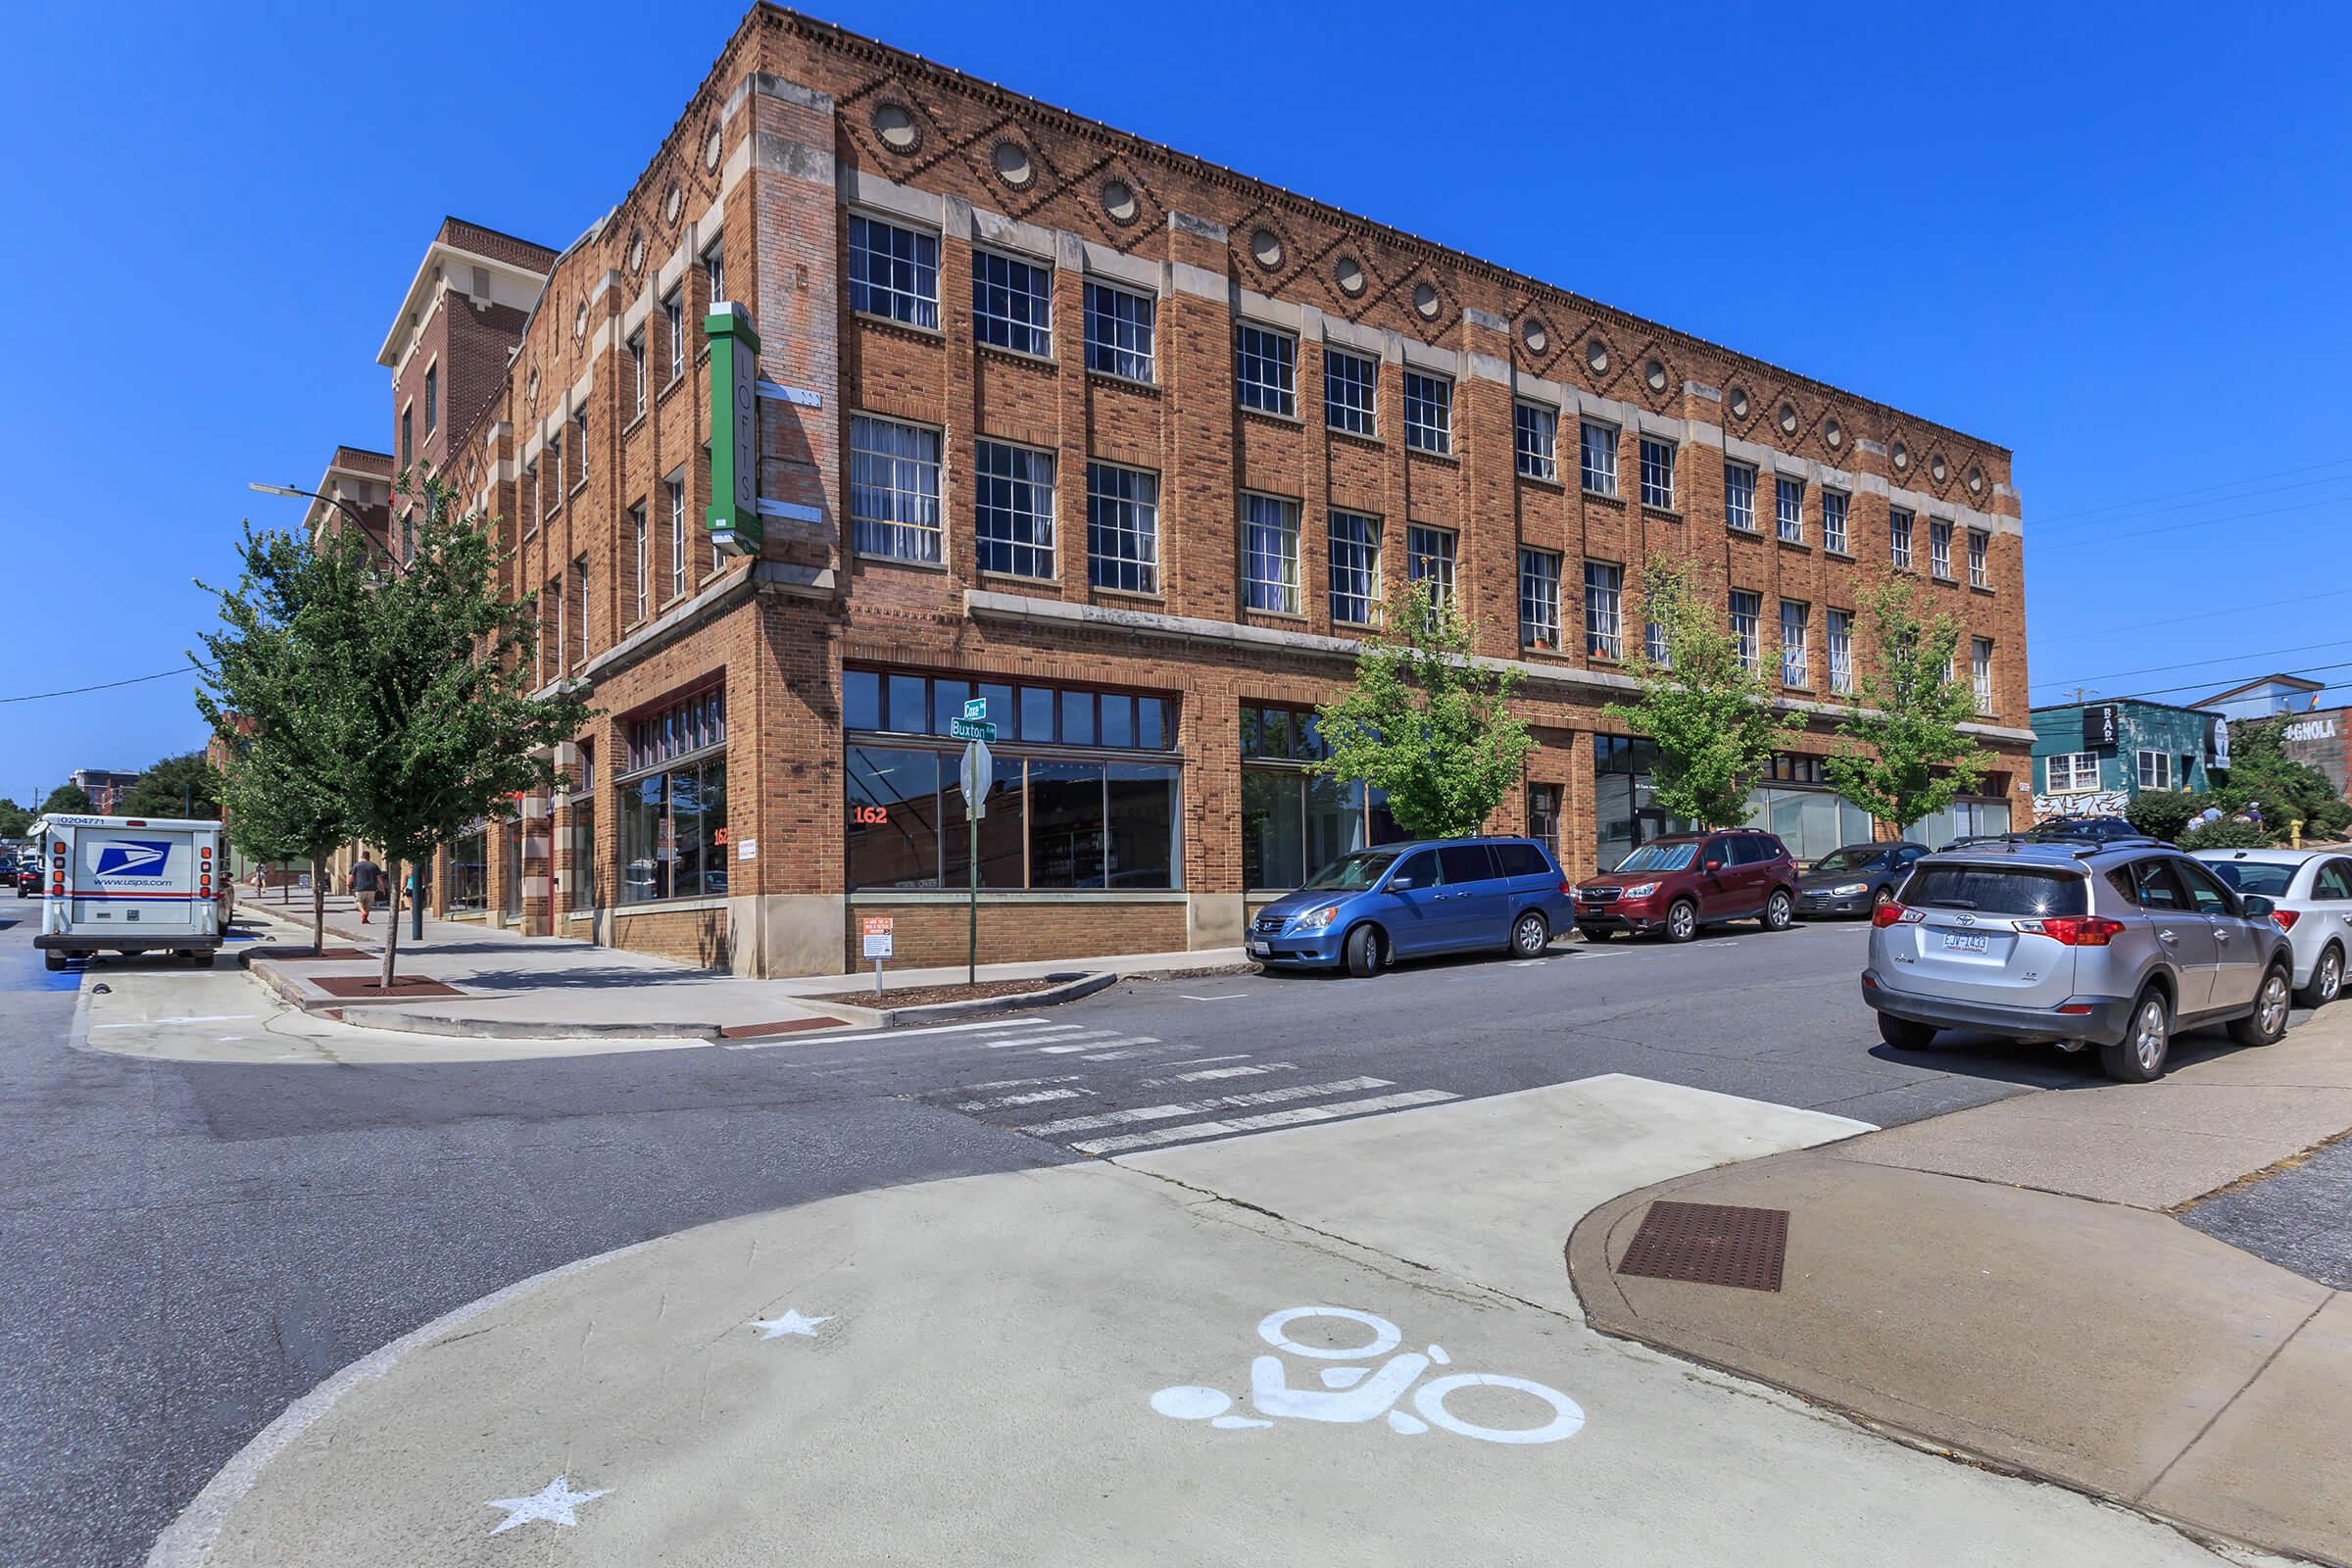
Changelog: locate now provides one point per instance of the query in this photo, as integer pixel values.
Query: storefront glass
(1624, 817)
(673, 819)
(470, 873)
(1294, 822)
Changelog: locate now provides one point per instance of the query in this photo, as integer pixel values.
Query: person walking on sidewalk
(367, 879)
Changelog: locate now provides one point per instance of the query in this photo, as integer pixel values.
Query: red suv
(1677, 884)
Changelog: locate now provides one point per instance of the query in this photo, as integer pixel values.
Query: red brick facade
(799, 126)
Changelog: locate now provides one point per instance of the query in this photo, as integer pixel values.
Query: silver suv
(2113, 944)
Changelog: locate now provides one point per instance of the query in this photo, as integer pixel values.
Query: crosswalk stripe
(1195, 1061)
(1065, 1032)
(1123, 1053)
(1122, 1142)
(1019, 1083)
(1062, 1047)
(1199, 1108)
(1206, 1074)
(1033, 1097)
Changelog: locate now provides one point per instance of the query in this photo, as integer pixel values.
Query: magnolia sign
(2312, 729)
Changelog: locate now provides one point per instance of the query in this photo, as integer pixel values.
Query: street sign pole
(974, 777)
(971, 923)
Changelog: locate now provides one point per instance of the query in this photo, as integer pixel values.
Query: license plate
(1963, 942)
(1258, 949)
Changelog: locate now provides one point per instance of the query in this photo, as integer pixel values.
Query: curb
(426, 1023)
(1072, 987)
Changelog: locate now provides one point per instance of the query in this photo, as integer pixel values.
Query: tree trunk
(391, 926)
(317, 905)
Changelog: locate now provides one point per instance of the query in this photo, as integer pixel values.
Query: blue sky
(2117, 242)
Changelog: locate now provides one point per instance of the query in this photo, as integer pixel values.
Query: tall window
(893, 490)
(1539, 599)
(1295, 821)
(893, 271)
(579, 609)
(408, 444)
(1794, 654)
(1119, 331)
(579, 441)
(714, 268)
(1599, 458)
(1654, 645)
(1430, 560)
(555, 474)
(1354, 568)
(673, 803)
(432, 398)
(1746, 609)
(1841, 652)
(580, 871)
(1012, 500)
(640, 570)
(2155, 771)
(1833, 521)
(1122, 528)
(1657, 473)
(1980, 573)
(1265, 368)
(1428, 412)
(1788, 509)
(1739, 497)
(637, 371)
(1980, 672)
(1940, 546)
(1898, 540)
(674, 492)
(1536, 431)
(1349, 383)
(1080, 799)
(1270, 554)
(1013, 302)
(674, 330)
(1603, 636)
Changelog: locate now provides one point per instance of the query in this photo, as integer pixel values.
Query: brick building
(1130, 446)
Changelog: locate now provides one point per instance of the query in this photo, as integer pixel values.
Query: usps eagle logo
(133, 858)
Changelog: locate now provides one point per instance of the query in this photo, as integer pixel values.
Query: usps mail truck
(127, 884)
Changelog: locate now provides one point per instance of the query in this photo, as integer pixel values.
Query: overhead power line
(2194, 663)
(102, 686)
(2194, 522)
(2203, 489)
(2202, 615)
(2193, 505)
(2225, 682)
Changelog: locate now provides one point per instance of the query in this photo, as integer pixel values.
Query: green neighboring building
(2091, 758)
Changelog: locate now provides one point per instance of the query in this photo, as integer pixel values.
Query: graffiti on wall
(2092, 803)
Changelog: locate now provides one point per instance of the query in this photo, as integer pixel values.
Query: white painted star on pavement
(554, 1504)
(790, 1323)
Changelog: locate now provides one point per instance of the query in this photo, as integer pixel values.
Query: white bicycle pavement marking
(1356, 1393)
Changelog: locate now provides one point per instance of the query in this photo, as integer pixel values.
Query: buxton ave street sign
(969, 729)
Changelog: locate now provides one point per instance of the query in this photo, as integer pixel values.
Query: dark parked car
(1409, 899)
(1855, 879)
(2082, 830)
(28, 877)
(1675, 885)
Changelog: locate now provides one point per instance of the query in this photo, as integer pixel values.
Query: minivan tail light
(1893, 913)
(2286, 918)
(2076, 930)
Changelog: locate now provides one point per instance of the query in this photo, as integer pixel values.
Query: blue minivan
(1405, 901)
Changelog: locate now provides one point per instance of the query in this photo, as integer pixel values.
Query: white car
(2311, 890)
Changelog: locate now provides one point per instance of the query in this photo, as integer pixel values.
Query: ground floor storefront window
(1294, 822)
(468, 881)
(673, 803)
(1624, 817)
(1085, 793)
(1960, 819)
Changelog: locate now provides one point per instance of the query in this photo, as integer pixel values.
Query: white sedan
(2311, 890)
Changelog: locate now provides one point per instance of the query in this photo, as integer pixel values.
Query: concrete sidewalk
(2010, 1282)
(516, 987)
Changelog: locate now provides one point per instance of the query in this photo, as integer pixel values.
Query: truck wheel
(2266, 1025)
(1364, 952)
(51, 959)
(2140, 1056)
(1904, 1035)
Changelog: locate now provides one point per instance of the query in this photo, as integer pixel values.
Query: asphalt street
(191, 1245)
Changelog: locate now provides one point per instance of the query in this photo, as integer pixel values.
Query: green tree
(2163, 813)
(277, 692)
(71, 799)
(1427, 722)
(2228, 834)
(435, 669)
(1903, 754)
(175, 785)
(2289, 791)
(15, 820)
(1711, 712)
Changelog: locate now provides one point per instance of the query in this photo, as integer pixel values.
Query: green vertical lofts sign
(733, 517)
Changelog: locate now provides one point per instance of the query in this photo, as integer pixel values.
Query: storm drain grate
(1710, 1243)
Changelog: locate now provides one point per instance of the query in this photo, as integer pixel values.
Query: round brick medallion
(1425, 301)
(1833, 432)
(713, 145)
(579, 322)
(1012, 163)
(894, 127)
(1787, 419)
(1597, 355)
(1533, 334)
(530, 391)
(671, 201)
(1654, 372)
(637, 251)
(1266, 249)
(1975, 480)
(1119, 201)
(1939, 469)
(1900, 457)
(1350, 274)
(1737, 402)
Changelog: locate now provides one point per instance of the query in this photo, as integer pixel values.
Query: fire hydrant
(2294, 833)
